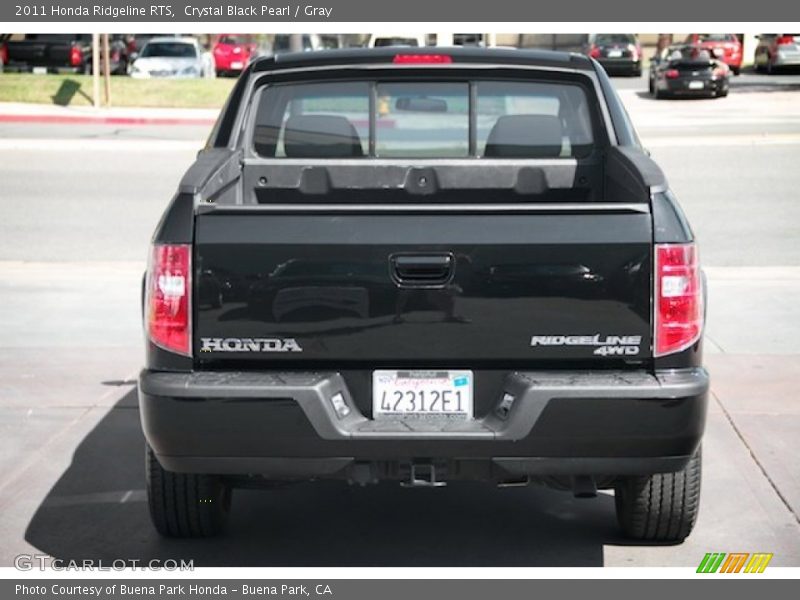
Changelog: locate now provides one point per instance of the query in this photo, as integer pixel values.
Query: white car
(413, 40)
(173, 57)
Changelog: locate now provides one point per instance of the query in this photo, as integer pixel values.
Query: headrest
(320, 136)
(525, 136)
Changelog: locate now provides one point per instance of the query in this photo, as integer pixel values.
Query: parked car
(61, 53)
(688, 70)
(381, 40)
(618, 52)
(725, 46)
(777, 51)
(232, 52)
(392, 330)
(173, 57)
(311, 41)
(3, 50)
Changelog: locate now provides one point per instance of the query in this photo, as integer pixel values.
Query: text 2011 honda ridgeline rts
(424, 266)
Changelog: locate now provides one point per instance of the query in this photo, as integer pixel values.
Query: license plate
(614, 53)
(696, 85)
(40, 70)
(422, 393)
(237, 65)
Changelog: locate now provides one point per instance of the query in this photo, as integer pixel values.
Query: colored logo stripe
(711, 562)
(734, 562)
(758, 562)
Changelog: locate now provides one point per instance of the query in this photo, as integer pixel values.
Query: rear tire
(662, 507)
(185, 505)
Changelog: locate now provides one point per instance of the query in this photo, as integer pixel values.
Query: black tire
(185, 505)
(661, 507)
(736, 70)
(650, 87)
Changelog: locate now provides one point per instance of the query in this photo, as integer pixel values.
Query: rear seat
(525, 136)
(321, 136)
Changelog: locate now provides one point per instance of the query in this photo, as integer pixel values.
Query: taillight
(168, 303)
(718, 72)
(678, 298)
(594, 52)
(423, 59)
(672, 74)
(75, 56)
(785, 40)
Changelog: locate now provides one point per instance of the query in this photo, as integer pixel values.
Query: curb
(103, 120)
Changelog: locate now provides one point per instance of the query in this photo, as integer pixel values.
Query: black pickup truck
(58, 53)
(424, 265)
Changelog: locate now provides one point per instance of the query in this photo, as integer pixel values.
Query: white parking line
(655, 141)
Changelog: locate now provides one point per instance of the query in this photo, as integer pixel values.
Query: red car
(3, 52)
(232, 53)
(725, 46)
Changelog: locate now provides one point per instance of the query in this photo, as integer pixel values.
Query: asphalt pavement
(79, 203)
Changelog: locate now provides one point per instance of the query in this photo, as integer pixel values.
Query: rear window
(382, 42)
(716, 37)
(615, 38)
(168, 50)
(485, 118)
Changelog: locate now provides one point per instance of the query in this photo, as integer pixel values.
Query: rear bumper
(680, 87)
(786, 59)
(283, 425)
(620, 65)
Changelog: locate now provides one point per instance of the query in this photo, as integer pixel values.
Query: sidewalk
(13, 112)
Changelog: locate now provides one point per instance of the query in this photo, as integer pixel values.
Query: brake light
(718, 72)
(168, 301)
(75, 56)
(785, 40)
(678, 298)
(594, 52)
(672, 74)
(422, 59)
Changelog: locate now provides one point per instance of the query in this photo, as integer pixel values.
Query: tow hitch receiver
(423, 475)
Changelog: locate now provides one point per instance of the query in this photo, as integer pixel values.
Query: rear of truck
(424, 267)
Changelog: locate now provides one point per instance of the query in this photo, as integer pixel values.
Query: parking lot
(79, 202)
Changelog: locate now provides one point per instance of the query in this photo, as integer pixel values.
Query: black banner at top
(442, 11)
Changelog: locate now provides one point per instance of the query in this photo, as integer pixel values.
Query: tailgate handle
(421, 269)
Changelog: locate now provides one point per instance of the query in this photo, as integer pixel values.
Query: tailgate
(415, 289)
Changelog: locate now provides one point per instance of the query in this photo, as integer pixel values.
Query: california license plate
(422, 393)
(696, 85)
(615, 54)
(40, 70)
(237, 65)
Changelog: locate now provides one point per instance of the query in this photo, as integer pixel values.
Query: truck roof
(355, 56)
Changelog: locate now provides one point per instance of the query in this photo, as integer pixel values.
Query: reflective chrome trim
(433, 208)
